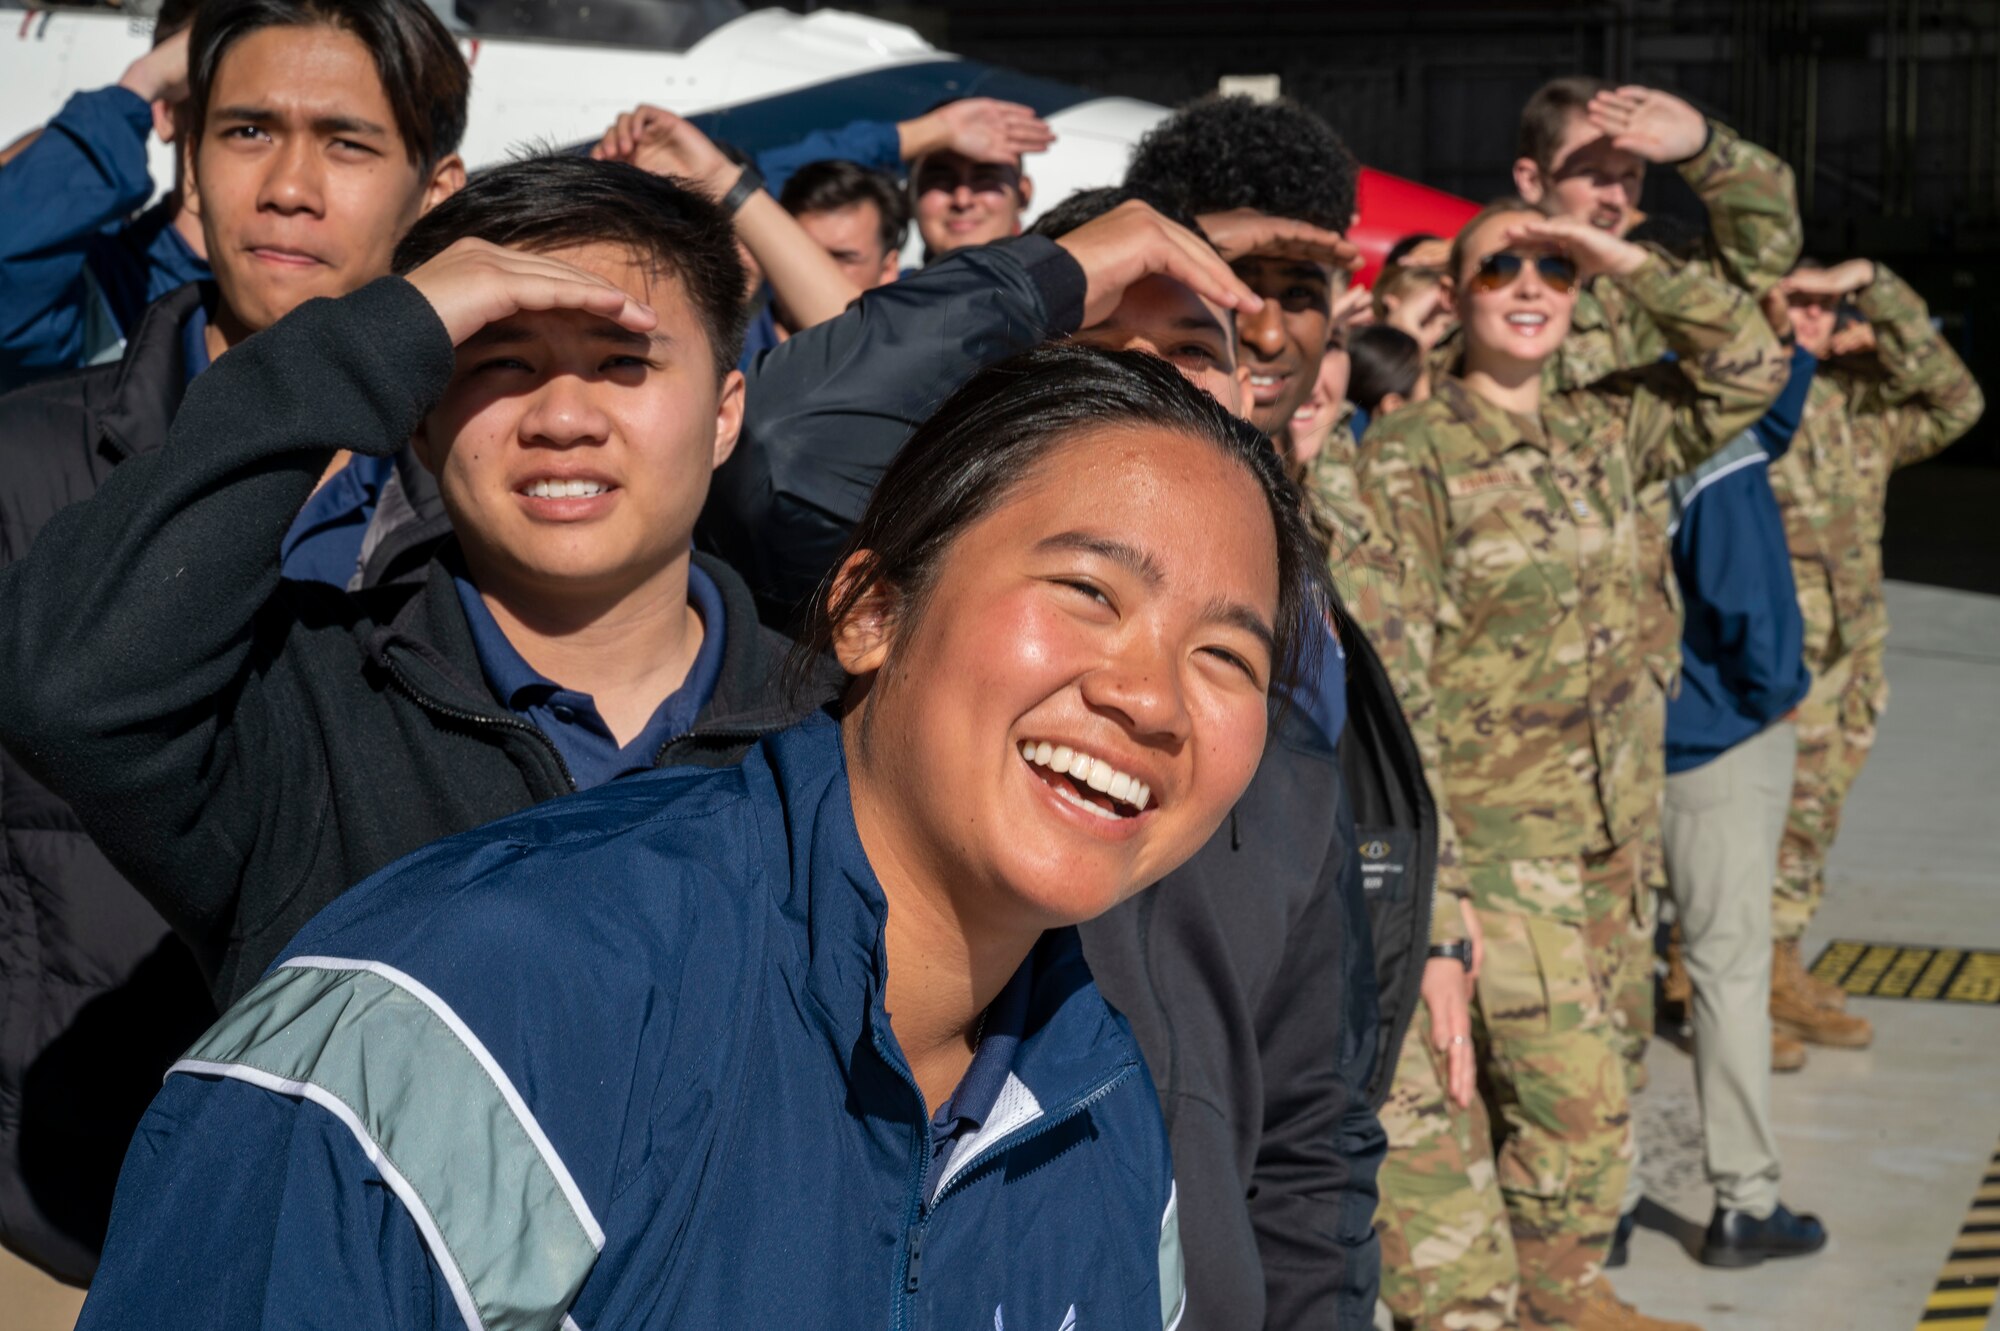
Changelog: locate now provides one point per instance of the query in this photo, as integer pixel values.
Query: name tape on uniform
(1893, 970)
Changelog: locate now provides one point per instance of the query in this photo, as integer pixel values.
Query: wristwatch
(1459, 951)
(746, 184)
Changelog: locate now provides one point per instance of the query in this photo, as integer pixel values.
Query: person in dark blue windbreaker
(1730, 753)
(806, 1042)
(77, 267)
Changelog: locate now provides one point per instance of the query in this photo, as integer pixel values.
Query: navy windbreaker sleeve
(1781, 422)
(242, 1208)
(86, 172)
(872, 143)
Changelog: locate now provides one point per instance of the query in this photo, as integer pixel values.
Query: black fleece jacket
(1249, 981)
(245, 748)
(826, 410)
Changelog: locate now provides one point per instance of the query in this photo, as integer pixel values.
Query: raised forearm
(1934, 398)
(1753, 209)
(808, 284)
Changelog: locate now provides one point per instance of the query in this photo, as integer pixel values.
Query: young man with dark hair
(856, 215)
(314, 133)
(1223, 155)
(279, 741)
(76, 267)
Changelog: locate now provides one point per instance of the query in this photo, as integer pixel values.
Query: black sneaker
(1620, 1237)
(1736, 1238)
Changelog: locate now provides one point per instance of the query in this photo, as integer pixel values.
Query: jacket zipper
(913, 1247)
(699, 733)
(431, 704)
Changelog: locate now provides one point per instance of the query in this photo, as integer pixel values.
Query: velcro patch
(1486, 478)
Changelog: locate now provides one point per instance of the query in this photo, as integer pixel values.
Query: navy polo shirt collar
(971, 1103)
(570, 718)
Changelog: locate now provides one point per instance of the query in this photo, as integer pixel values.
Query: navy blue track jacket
(1742, 639)
(76, 267)
(621, 1061)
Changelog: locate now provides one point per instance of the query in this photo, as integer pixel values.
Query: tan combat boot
(1794, 1013)
(1787, 1054)
(1787, 960)
(1603, 1310)
(1677, 988)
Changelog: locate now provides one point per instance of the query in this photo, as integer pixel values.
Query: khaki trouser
(1723, 822)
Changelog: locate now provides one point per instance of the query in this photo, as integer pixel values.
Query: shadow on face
(960, 202)
(852, 236)
(1587, 179)
(1282, 343)
(574, 455)
(1511, 314)
(1167, 319)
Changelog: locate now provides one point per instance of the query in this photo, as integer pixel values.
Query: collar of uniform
(1498, 430)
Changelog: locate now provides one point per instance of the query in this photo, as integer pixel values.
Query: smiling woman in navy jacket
(807, 1042)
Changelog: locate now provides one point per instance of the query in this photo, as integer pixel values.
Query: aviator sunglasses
(1496, 272)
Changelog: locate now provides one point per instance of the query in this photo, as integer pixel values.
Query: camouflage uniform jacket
(1518, 573)
(1833, 484)
(1353, 553)
(1753, 239)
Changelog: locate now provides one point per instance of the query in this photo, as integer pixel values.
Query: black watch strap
(746, 184)
(1459, 951)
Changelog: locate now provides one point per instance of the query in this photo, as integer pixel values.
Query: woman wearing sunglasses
(1511, 512)
(808, 1042)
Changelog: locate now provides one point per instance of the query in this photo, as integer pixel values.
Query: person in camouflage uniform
(1583, 153)
(1898, 396)
(1509, 512)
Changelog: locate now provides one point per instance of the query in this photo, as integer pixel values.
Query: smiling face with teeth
(1282, 344)
(574, 455)
(1520, 325)
(1089, 668)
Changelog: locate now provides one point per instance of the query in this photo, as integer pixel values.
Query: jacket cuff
(1658, 285)
(135, 110)
(1447, 922)
(1721, 139)
(1889, 298)
(1058, 279)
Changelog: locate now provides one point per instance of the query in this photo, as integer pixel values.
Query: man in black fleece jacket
(244, 748)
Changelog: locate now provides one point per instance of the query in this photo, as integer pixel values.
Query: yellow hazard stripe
(1969, 1284)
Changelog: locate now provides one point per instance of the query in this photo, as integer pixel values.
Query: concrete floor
(1888, 1144)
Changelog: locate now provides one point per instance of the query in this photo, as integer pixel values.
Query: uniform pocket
(1538, 978)
(1534, 1165)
